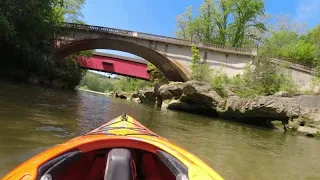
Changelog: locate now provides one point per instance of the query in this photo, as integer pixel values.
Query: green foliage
(318, 70)
(290, 46)
(101, 83)
(290, 41)
(84, 87)
(195, 59)
(316, 79)
(242, 23)
(226, 22)
(199, 71)
(69, 70)
(155, 74)
(6, 29)
(262, 78)
(314, 38)
(68, 10)
(219, 80)
(27, 29)
(127, 84)
(96, 82)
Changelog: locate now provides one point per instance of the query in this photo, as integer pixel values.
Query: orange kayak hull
(127, 133)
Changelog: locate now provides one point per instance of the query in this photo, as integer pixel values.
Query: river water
(33, 119)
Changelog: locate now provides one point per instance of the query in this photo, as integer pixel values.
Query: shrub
(84, 87)
(130, 84)
(96, 82)
(219, 80)
(291, 46)
(155, 74)
(200, 71)
(263, 78)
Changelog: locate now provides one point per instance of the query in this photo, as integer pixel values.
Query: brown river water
(33, 119)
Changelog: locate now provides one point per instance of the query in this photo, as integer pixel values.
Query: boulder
(121, 95)
(200, 86)
(192, 96)
(59, 83)
(147, 95)
(111, 93)
(157, 87)
(196, 92)
(309, 107)
(308, 131)
(259, 108)
(283, 94)
(34, 80)
(134, 95)
(191, 107)
(137, 100)
(316, 90)
(172, 90)
(199, 97)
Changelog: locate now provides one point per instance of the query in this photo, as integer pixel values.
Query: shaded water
(33, 119)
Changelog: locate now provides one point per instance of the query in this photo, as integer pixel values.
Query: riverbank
(295, 113)
(95, 92)
(236, 151)
(23, 76)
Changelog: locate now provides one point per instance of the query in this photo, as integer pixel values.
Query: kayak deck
(123, 125)
(120, 149)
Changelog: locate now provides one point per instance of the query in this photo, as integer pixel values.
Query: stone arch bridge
(170, 55)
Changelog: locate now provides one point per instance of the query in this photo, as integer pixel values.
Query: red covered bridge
(125, 66)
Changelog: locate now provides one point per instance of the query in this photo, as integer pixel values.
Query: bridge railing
(157, 37)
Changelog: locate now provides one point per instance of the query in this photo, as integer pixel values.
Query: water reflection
(33, 119)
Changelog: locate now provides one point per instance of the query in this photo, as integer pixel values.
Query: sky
(159, 16)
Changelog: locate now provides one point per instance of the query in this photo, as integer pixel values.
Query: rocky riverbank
(22, 75)
(49, 82)
(297, 113)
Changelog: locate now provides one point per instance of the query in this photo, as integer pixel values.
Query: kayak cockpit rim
(53, 166)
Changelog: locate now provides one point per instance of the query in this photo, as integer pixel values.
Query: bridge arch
(164, 64)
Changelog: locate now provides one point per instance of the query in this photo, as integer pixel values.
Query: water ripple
(33, 117)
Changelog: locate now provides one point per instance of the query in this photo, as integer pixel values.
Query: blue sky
(159, 16)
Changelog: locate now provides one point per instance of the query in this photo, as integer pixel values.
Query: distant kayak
(121, 149)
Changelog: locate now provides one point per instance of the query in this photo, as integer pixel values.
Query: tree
(27, 29)
(245, 14)
(185, 25)
(289, 40)
(225, 22)
(314, 38)
(6, 29)
(155, 74)
(127, 84)
(97, 82)
(200, 71)
(68, 10)
(290, 46)
(263, 77)
(285, 23)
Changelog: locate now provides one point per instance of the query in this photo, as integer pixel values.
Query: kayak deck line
(123, 123)
(120, 149)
